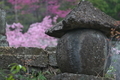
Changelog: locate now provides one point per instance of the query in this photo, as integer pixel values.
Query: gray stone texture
(34, 58)
(2, 21)
(3, 41)
(56, 31)
(84, 52)
(25, 56)
(51, 51)
(83, 16)
(70, 76)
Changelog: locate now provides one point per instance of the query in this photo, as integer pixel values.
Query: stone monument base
(70, 76)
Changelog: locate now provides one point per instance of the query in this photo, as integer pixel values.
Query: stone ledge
(35, 57)
(70, 76)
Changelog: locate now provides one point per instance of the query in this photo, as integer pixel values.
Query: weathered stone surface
(25, 56)
(40, 60)
(8, 59)
(2, 21)
(70, 76)
(84, 52)
(52, 59)
(34, 58)
(82, 17)
(3, 41)
(51, 51)
(56, 30)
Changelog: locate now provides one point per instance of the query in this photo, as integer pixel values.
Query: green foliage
(15, 70)
(40, 76)
(110, 7)
(2, 74)
(110, 72)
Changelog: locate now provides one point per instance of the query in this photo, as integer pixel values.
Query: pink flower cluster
(27, 6)
(34, 37)
(53, 7)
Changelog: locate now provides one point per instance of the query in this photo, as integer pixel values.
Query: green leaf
(41, 76)
(13, 64)
(10, 78)
(14, 72)
(18, 68)
(12, 68)
(23, 68)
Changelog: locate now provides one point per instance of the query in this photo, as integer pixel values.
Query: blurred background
(28, 12)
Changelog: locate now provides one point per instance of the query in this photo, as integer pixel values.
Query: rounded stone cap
(84, 16)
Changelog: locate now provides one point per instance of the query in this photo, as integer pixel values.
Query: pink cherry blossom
(34, 37)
